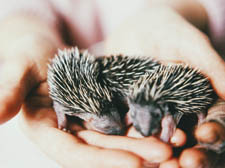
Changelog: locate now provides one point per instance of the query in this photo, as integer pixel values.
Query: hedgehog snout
(119, 130)
(109, 127)
(109, 123)
(146, 118)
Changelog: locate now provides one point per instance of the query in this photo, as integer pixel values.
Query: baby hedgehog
(119, 72)
(158, 100)
(73, 87)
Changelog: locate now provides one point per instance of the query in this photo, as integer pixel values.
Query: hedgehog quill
(75, 91)
(158, 100)
(120, 72)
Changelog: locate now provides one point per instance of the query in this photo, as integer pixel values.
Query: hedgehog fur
(158, 100)
(119, 72)
(75, 91)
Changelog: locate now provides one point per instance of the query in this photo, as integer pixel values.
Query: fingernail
(147, 164)
(178, 139)
(173, 140)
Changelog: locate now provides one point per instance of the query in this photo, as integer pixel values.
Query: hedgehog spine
(119, 72)
(168, 92)
(73, 86)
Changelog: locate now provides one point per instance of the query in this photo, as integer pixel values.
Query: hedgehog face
(146, 118)
(108, 122)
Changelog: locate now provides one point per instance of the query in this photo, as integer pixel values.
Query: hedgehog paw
(64, 129)
(168, 128)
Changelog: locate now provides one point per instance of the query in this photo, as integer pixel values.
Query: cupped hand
(26, 46)
(25, 53)
(161, 32)
(85, 148)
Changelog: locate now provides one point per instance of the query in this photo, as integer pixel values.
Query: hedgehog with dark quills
(73, 87)
(158, 100)
(119, 72)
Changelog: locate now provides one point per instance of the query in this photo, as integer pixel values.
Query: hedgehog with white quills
(73, 87)
(158, 100)
(118, 72)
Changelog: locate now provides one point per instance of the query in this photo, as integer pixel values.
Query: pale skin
(25, 87)
(27, 44)
(167, 35)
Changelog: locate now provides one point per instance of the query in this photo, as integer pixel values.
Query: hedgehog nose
(150, 131)
(145, 132)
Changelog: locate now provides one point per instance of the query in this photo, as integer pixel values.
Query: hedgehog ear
(128, 100)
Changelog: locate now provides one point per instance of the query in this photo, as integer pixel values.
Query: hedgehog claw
(65, 130)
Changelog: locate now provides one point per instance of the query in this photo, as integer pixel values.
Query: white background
(17, 151)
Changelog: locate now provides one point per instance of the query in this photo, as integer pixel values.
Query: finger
(68, 150)
(179, 138)
(216, 73)
(210, 132)
(172, 163)
(196, 157)
(14, 86)
(211, 135)
(150, 149)
(213, 66)
(205, 58)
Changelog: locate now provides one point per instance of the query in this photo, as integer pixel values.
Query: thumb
(215, 68)
(212, 64)
(15, 83)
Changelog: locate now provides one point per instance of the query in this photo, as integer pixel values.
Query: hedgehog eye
(156, 115)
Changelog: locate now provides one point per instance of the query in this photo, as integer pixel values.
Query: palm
(170, 38)
(39, 122)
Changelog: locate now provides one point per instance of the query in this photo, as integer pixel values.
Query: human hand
(85, 148)
(209, 134)
(25, 85)
(26, 46)
(212, 135)
(162, 33)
